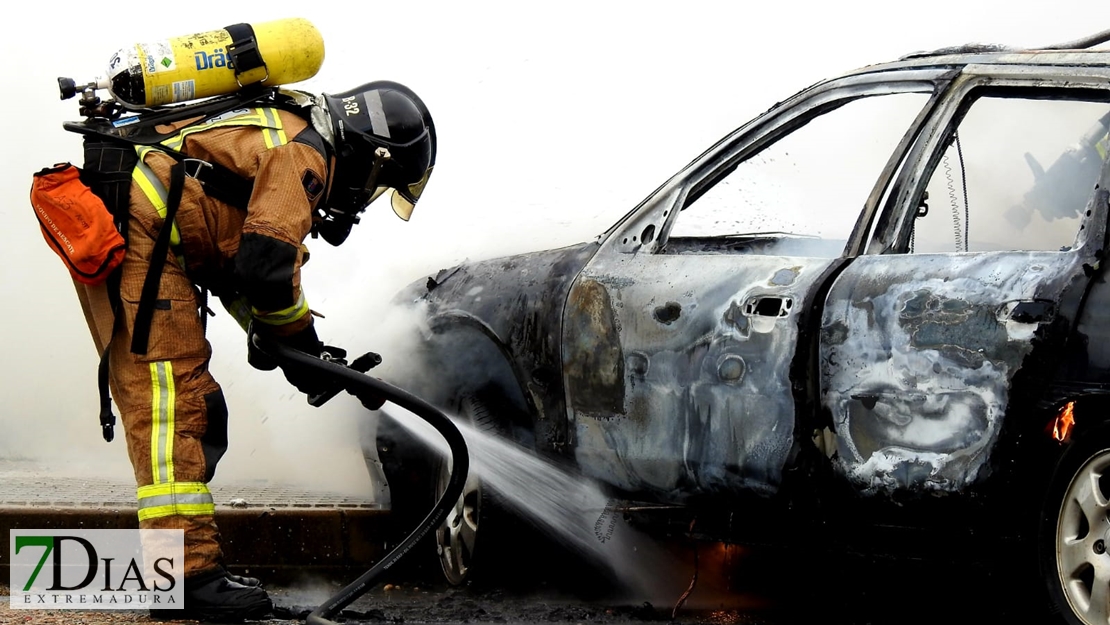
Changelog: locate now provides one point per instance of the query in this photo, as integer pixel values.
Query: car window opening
(1016, 174)
(803, 192)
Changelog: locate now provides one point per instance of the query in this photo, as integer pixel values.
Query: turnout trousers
(173, 411)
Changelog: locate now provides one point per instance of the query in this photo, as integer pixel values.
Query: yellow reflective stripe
(240, 310)
(175, 142)
(178, 509)
(172, 488)
(161, 430)
(1102, 145)
(273, 133)
(248, 120)
(175, 499)
(152, 187)
(283, 316)
(154, 191)
(266, 119)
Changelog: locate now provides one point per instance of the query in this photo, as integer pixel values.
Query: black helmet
(383, 139)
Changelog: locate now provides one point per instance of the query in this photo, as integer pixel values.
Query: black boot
(213, 596)
(253, 582)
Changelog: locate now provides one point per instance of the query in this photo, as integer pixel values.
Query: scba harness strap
(245, 57)
(108, 169)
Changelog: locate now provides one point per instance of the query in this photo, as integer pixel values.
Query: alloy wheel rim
(1083, 539)
(457, 536)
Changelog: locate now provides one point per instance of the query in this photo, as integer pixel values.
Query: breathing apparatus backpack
(84, 212)
(237, 60)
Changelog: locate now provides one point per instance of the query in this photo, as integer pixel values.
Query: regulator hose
(354, 382)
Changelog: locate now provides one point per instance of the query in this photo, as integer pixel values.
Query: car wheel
(458, 539)
(1075, 532)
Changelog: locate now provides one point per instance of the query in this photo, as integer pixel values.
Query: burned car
(877, 305)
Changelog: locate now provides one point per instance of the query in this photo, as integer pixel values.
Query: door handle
(769, 306)
(1031, 311)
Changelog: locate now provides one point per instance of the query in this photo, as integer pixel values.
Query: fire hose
(354, 380)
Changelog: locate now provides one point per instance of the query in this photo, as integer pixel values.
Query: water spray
(372, 390)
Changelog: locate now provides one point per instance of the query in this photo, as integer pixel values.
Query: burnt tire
(1074, 533)
(463, 543)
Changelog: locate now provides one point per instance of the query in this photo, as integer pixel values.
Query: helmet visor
(404, 199)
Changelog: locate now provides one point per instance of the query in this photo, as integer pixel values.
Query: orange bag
(76, 223)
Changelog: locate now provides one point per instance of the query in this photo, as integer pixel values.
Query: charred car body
(870, 306)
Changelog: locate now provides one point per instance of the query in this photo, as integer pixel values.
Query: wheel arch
(464, 357)
(1028, 455)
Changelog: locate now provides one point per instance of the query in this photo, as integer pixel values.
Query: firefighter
(1062, 191)
(307, 174)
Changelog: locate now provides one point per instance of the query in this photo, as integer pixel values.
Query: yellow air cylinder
(200, 65)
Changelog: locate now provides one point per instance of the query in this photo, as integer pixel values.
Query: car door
(680, 333)
(956, 316)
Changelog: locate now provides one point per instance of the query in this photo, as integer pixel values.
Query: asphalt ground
(307, 544)
(863, 595)
(396, 604)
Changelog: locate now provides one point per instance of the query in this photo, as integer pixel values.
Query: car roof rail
(967, 48)
(1083, 43)
(1089, 41)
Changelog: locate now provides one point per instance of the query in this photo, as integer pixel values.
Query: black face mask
(351, 191)
(350, 188)
(335, 231)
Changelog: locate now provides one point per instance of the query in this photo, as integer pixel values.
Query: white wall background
(553, 119)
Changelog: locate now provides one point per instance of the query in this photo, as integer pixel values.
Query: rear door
(680, 333)
(974, 274)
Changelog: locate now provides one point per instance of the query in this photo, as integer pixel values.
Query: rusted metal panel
(594, 366)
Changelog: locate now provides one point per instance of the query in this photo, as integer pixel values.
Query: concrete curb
(277, 544)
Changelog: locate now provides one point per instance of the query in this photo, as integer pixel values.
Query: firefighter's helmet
(384, 140)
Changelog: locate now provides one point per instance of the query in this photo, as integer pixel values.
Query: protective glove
(308, 380)
(362, 364)
(371, 401)
(256, 357)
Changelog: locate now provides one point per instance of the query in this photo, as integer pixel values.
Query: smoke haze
(553, 121)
